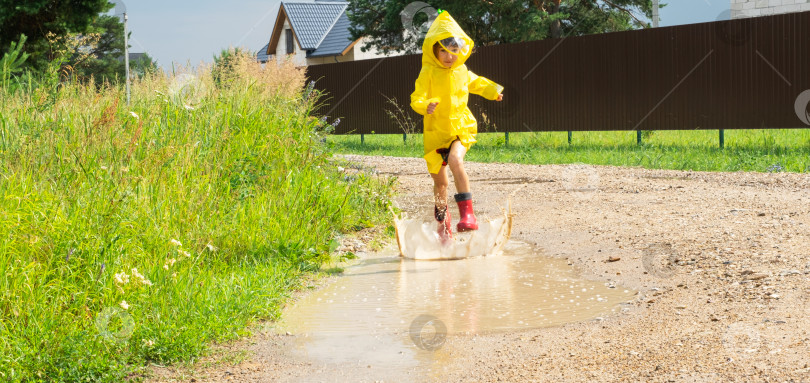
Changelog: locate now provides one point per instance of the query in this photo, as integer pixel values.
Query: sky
(189, 32)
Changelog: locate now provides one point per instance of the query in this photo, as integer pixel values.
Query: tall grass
(140, 234)
(745, 150)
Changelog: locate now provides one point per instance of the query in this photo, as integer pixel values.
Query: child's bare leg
(463, 197)
(456, 163)
(440, 183)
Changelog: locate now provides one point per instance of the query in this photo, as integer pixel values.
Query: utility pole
(126, 54)
(121, 9)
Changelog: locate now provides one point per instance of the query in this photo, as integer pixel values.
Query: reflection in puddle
(364, 316)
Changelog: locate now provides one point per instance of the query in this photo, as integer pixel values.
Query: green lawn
(745, 150)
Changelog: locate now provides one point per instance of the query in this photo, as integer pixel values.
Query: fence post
(507, 138)
(404, 138)
(569, 137)
(638, 137)
(362, 138)
(722, 139)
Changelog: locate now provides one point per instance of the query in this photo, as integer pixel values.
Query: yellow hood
(443, 27)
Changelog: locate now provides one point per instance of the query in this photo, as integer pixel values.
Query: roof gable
(311, 22)
(321, 28)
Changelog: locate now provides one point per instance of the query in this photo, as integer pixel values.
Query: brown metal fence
(737, 74)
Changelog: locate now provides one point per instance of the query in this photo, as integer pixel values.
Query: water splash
(419, 240)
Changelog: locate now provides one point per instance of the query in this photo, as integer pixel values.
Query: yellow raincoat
(450, 87)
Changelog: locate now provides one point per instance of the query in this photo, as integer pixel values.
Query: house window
(290, 46)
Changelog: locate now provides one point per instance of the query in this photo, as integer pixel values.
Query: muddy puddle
(390, 315)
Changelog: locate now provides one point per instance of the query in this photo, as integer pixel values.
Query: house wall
(354, 54)
(300, 55)
(752, 8)
(370, 54)
(331, 59)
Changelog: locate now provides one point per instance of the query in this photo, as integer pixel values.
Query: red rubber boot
(465, 211)
(445, 228)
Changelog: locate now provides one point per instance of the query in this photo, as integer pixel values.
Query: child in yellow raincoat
(441, 94)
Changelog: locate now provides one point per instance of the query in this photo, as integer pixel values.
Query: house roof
(313, 21)
(321, 28)
(261, 55)
(336, 40)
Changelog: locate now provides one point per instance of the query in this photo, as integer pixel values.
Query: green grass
(745, 150)
(134, 240)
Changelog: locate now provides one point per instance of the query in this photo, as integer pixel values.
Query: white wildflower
(172, 261)
(340, 169)
(140, 277)
(166, 267)
(124, 305)
(211, 247)
(188, 107)
(121, 278)
(184, 253)
(174, 275)
(136, 274)
(176, 242)
(133, 114)
(148, 343)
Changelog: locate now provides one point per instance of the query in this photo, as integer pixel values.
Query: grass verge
(139, 234)
(745, 150)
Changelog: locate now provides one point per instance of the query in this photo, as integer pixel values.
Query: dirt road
(721, 263)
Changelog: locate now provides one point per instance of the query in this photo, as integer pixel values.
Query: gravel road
(721, 263)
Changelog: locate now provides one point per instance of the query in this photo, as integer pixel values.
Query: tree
(39, 18)
(491, 22)
(225, 63)
(84, 47)
(104, 59)
(12, 61)
(142, 65)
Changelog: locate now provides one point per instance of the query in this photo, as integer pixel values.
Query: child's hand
(431, 107)
(500, 97)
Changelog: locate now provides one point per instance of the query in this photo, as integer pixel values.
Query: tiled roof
(261, 55)
(336, 40)
(313, 21)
